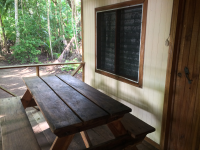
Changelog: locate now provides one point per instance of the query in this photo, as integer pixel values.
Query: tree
(4, 5)
(49, 28)
(61, 21)
(16, 22)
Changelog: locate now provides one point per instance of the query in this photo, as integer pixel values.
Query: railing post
(37, 71)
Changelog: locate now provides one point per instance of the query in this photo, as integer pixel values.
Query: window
(120, 38)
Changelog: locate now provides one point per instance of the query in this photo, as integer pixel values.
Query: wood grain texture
(105, 102)
(39, 134)
(44, 135)
(81, 106)
(99, 135)
(86, 139)
(59, 116)
(116, 144)
(175, 34)
(27, 100)
(135, 126)
(17, 133)
(117, 128)
(182, 120)
(62, 143)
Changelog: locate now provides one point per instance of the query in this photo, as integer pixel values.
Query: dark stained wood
(116, 144)
(62, 143)
(81, 106)
(99, 135)
(58, 115)
(113, 107)
(175, 34)
(152, 143)
(182, 107)
(16, 129)
(117, 128)
(44, 135)
(135, 126)
(27, 100)
(142, 45)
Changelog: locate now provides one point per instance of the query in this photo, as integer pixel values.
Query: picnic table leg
(62, 143)
(27, 100)
(118, 129)
(86, 139)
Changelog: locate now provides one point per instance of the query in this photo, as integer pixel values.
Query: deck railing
(37, 66)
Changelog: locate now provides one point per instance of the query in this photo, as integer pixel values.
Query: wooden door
(184, 131)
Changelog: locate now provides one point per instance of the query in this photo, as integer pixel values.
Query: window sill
(119, 78)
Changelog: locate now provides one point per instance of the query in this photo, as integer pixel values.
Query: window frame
(142, 40)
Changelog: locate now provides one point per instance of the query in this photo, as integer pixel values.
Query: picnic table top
(70, 105)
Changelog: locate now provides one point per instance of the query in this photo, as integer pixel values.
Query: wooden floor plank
(44, 136)
(97, 135)
(37, 115)
(83, 107)
(105, 102)
(43, 142)
(59, 116)
(100, 135)
(15, 126)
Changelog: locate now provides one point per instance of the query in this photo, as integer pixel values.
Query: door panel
(185, 126)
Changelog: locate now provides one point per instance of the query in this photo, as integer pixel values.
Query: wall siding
(146, 102)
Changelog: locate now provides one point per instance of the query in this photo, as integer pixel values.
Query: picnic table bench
(70, 106)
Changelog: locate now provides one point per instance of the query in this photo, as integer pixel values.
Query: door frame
(173, 55)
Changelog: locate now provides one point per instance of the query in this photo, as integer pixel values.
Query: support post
(37, 71)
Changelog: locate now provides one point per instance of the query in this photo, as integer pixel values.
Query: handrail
(39, 65)
(38, 71)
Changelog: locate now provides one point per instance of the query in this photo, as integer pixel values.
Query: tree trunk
(48, 20)
(57, 23)
(61, 21)
(4, 35)
(66, 51)
(73, 7)
(16, 22)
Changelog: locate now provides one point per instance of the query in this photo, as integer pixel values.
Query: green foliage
(71, 67)
(33, 27)
(27, 51)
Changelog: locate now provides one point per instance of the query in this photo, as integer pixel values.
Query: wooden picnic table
(71, 106)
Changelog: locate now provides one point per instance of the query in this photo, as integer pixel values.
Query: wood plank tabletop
(110, 105)
(70, 106)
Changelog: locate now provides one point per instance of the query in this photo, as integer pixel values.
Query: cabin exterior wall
(146, 102)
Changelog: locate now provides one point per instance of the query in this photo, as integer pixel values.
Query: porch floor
(11, 80)
(45, 137)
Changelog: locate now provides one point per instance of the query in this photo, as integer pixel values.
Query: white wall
(146, 103)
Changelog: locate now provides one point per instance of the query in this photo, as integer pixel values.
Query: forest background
(34, 28)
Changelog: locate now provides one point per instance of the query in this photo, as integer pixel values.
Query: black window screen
(118, 41)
